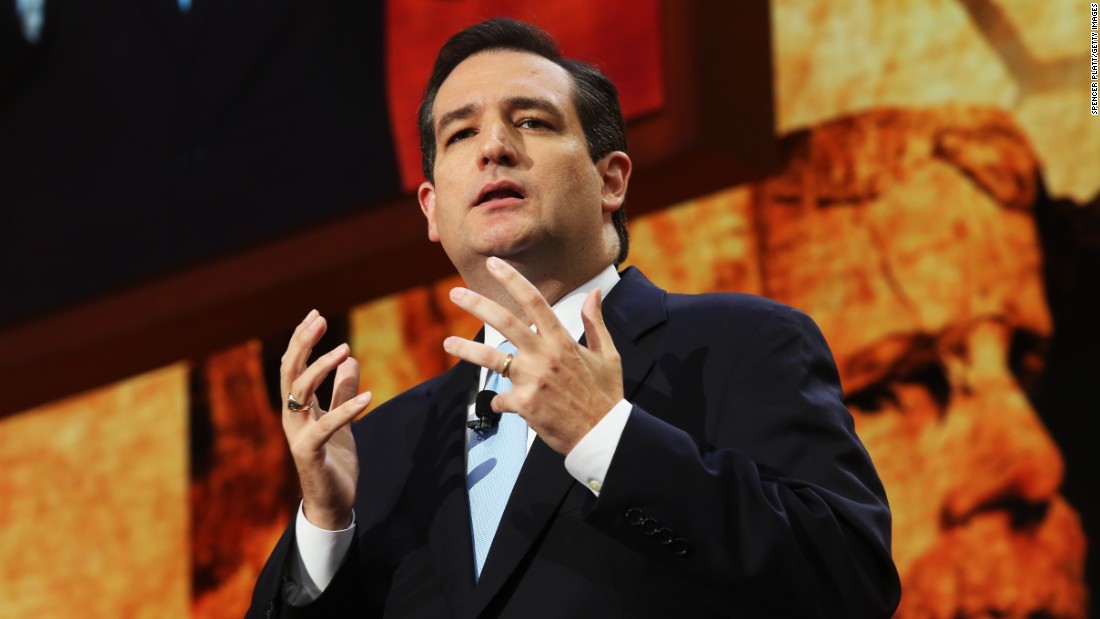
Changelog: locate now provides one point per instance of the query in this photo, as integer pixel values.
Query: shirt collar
(568, 308)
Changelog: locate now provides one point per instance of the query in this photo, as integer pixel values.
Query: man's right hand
(321, 442)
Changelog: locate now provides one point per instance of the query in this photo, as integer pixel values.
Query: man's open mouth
(498, 191)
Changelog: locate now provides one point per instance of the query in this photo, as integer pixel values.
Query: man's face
(513, 176)
(936, 316)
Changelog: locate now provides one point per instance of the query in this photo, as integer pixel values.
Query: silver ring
(507, 365)
(295, 406)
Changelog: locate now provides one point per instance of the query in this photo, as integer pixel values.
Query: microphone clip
(486, 418)
(481, 424)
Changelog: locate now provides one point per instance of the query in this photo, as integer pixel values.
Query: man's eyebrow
(535, 103)
(454, 116)
(893, 356)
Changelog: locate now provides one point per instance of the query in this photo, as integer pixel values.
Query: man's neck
(568, 308)
(552, 286)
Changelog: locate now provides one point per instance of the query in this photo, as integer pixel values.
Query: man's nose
(1010, 460)
(498, 147)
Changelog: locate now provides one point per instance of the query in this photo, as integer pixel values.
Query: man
(688, 457)
(938, 330)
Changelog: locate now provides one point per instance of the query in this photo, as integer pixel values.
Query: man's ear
(614, 169)
(426, 195)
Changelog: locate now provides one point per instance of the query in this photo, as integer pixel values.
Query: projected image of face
(928, 289)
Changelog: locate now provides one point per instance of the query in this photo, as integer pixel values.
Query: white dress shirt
(320, 551)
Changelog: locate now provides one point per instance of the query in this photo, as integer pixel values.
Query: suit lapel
(632, 308)
(449, 533)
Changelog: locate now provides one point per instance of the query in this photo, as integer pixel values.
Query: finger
(284, 366)
(301, 344)
(331, 422)
(303, 387)
(346, 384)
(477, 353)
(505, 403)
(595, 329)
(490, 312)
(528, 296)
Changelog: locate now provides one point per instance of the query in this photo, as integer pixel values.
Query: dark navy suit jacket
(738, 489)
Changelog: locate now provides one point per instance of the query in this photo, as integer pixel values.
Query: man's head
(924, 273)
(594, 97)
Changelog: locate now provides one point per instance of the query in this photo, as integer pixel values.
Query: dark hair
(594, 95)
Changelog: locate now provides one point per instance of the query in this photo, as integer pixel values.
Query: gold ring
(507, 365)
(294, 405)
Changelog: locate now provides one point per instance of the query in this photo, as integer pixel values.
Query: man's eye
(532, 123)
(921, 387)
(1027, 356)
(873, 399)
(460, 135)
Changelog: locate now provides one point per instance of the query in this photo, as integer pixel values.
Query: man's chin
(989, 568)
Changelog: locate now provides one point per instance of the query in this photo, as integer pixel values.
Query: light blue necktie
(493, 461)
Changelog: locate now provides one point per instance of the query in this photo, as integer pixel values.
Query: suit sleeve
(270, 599)
(775, 500)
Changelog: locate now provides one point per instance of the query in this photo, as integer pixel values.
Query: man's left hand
(561, 388)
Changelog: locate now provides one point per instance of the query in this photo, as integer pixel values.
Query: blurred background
(181, 181)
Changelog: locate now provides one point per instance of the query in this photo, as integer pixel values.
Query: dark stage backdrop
(136, 139)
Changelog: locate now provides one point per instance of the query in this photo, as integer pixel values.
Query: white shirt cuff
(591, 456)
(319, 555)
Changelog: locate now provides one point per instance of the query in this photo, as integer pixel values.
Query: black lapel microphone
(486, 418)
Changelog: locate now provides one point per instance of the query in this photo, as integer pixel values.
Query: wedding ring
(295, 406)
(507, 365)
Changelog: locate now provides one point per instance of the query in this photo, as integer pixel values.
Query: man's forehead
(502, 74)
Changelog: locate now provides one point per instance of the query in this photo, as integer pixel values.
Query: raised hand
(321, 442)
(559, 387)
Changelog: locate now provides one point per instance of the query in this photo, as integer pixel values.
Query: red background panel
(621, 37)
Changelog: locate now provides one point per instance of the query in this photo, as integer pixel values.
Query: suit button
(650, 526)
(635, 516)
(680, 547)
(663, 536)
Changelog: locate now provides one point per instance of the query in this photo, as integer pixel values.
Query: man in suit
(679, 456)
